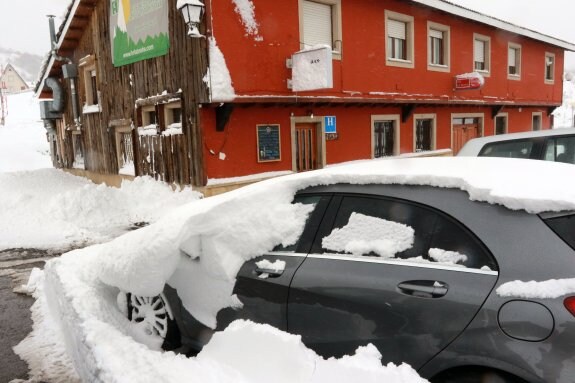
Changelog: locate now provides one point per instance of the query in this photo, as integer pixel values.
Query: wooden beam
(406, 111)
(495, 110)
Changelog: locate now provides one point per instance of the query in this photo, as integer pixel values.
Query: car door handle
(424, 289)
(268, 273)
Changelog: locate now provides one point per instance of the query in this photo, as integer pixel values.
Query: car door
(262, 284)
(410, 301)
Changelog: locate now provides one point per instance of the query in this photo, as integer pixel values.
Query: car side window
(390, 228)
(560, 149)
(510, 149)
(304, 241)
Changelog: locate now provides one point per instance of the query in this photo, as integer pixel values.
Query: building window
(514, 61)
(124, 150)
(438, 47)
(549, 68)
(173, 115)
(91, 92)
(399, 39)
(385, 136)
(320, 24)
(78, 149)
(481, 53)
(501, 123)
(536, 120)
(424, 133)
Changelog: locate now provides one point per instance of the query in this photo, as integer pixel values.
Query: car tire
(476, 375)
(154, 316)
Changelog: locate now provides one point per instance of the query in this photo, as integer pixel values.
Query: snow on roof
(458, 10)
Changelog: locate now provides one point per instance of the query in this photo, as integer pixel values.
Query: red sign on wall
(469, 81)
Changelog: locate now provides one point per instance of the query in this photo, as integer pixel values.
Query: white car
(550, 145)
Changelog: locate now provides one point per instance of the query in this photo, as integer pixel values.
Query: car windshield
(511, 149)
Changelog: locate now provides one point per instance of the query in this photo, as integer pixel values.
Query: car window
(390, 228)
(560, 149)
(511, 149)
(564, 227)
(319, 203)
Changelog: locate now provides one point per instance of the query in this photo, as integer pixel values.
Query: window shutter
(397, 29)
(479, 50)
(436, 34)
(512, 57)
(317, 24)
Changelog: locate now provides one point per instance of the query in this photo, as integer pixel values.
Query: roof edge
(466, 13)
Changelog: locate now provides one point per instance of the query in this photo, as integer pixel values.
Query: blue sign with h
(330, 123)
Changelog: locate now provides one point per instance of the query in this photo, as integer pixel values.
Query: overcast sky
(24, 26)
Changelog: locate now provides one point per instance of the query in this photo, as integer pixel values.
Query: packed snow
(198, 245)
(80, 332)
(550, 289)
(218, 77)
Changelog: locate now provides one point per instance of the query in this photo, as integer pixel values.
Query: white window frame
(145, 110)
(91, 102)
(336, 26)
(487, 54)
(386, 117)
(550, 56)
(426, 116)
(409, 62)
(540, 115)
(517, 49)
(501, 115)
(446, 31)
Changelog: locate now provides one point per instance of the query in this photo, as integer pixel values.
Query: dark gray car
(434, 304)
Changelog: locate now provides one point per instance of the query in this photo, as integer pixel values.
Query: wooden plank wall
(183, 68)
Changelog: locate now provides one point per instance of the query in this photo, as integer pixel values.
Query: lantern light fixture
(192, 11)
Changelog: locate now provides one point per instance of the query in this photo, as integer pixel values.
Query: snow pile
(105, 352)
(364, 235)
(49, 208)
(565, 114)
(23, 142)
(550, 289)
(246, 10)
(220, 81)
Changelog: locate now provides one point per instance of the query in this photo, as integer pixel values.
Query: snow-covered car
(550, 145)
(422, 258)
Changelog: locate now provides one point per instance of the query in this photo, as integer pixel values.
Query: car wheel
(153, 322)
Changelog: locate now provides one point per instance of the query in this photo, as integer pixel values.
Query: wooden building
(286, 86)
(11, 81)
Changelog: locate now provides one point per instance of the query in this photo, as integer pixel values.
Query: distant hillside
(27, 64)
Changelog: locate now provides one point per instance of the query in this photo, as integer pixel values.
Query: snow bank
(50, 208)
(101, 347)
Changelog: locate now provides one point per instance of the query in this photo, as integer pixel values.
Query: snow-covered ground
(79, 331)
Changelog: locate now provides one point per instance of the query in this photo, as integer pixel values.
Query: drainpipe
(69, 71)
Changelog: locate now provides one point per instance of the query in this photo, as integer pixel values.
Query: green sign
(138, 30)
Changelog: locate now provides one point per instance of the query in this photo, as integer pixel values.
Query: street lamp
(192, 11)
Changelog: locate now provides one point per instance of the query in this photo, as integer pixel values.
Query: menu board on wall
(269, 148)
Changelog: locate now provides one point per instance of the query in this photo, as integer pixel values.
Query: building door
(384, 138)
(306, 147)
(464, 129)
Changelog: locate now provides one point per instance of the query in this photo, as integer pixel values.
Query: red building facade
(288, 86)
(375, 98)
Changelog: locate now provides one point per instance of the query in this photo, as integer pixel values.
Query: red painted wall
(239, 142)
(257, 65)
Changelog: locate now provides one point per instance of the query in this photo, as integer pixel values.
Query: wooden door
(306, 147)
(463, 133)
